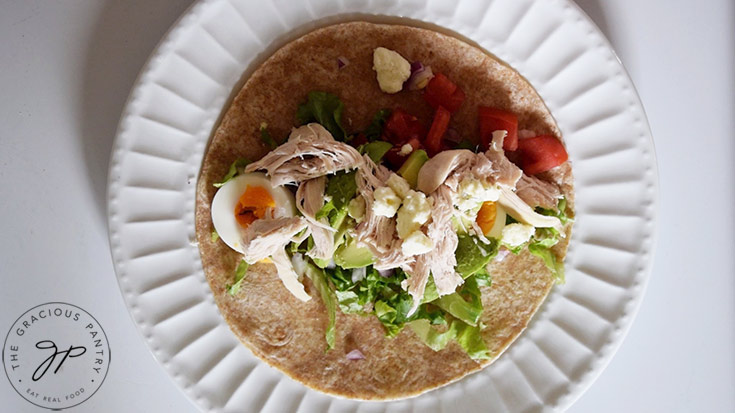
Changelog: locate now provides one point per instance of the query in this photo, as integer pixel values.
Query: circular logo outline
(5, 343)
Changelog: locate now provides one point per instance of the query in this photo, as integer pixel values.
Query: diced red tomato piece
(402, 127)
(443, 92)
(439, 126)
(359, 139)
(490, 120)
(541, 153)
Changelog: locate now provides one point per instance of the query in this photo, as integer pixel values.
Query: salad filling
(399, 221)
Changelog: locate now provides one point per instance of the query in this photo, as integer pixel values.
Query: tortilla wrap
(288, 334)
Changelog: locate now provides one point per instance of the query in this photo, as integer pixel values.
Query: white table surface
(66, 68)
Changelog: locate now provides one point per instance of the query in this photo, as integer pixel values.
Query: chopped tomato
(402, 127)
(439, 126)
(541, 153)
(443, 92)
(360, 139)
(490, 120)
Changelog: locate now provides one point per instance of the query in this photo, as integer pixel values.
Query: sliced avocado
(375, 150)
(349, 255)
(410, 168)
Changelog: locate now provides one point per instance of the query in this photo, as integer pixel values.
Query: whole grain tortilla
(289, 334)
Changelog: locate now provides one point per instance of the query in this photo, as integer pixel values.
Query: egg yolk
(486, 216)
(252, 205)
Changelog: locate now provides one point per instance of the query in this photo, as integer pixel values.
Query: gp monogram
(56, 355)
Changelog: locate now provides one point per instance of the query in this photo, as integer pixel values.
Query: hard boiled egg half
(491, 219)
(242, 200)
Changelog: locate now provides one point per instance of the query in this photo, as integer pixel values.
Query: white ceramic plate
(176, 103)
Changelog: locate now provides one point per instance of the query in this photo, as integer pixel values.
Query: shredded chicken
(288, 276)
(505, 172)
(524, 213)
(450, 167)
(440, 261)
(439, 168)
(376, 232)
(264, 237)
(310, 152)
(309, 200)
(536, 192)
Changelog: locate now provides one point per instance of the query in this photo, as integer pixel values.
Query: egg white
(497, 230)
(226, 198)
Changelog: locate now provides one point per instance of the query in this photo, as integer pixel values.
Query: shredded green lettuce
(468, 337)
(375, 129)
(472, 254)
(545, 238)
(471, 341)
(341, 188)
(469, 310)
(319, 280)
(326, 109)
(545, 253)
(214, 236)
(240, 271)
(236, 168)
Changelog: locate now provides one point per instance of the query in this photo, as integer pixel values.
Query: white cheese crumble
(414, 213)
(516, 234)
(472, 193)
(356, 208)
(392, 69)
(399, 185)
(417, 243)
(386, 202)
(406, 150)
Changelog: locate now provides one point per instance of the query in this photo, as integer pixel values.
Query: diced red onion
(525, 134)
(420, 76)
(385, 273)
(355, 355)
(452, 135)
(342, 62)
(502, 253)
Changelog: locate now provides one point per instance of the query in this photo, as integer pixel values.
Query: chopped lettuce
(468, 337)
(471, 341)
(375, 129)
(545, 238)
(235, 169)
(340, 190)
(545, 253)
(319, 280)
(214, 236)
(434, 339)
(483, 278)
(470, 310)
(349, 302)
(472, 254)
(240, 271)
(326, 109)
